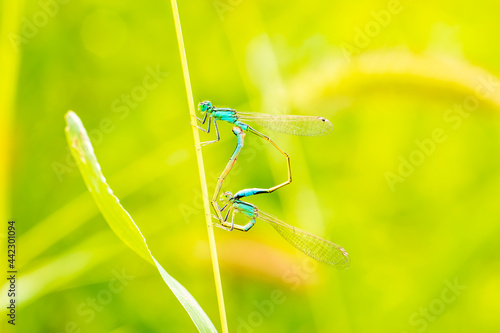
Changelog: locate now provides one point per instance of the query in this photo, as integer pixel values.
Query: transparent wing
(289, 124)
(314, 246)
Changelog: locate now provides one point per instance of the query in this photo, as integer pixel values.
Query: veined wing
(314, 246)
(289, 124)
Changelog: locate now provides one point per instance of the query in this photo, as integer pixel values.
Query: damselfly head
(225, 197)
(204, 106)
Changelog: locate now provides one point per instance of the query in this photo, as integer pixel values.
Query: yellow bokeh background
(407, 182)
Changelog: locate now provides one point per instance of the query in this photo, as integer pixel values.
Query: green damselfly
(288, 124)
(312, 245)
(282, 123)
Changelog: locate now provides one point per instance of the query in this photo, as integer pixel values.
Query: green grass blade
(118, 218)
(201, 168)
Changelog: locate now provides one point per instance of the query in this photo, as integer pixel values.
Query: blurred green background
(407, 182)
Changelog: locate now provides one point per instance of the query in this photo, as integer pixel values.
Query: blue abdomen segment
(243, 126)
(248, 192)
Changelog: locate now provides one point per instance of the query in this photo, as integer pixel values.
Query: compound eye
(226, 196)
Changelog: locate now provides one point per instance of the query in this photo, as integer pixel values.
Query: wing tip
(342, 265)
(328, 125)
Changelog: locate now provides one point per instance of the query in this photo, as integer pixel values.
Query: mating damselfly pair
(313, 246)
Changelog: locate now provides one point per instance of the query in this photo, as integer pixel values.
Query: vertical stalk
(201, 168)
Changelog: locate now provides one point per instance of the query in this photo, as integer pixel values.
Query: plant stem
(201, 168)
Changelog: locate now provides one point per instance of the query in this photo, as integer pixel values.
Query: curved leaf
(118, 218)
